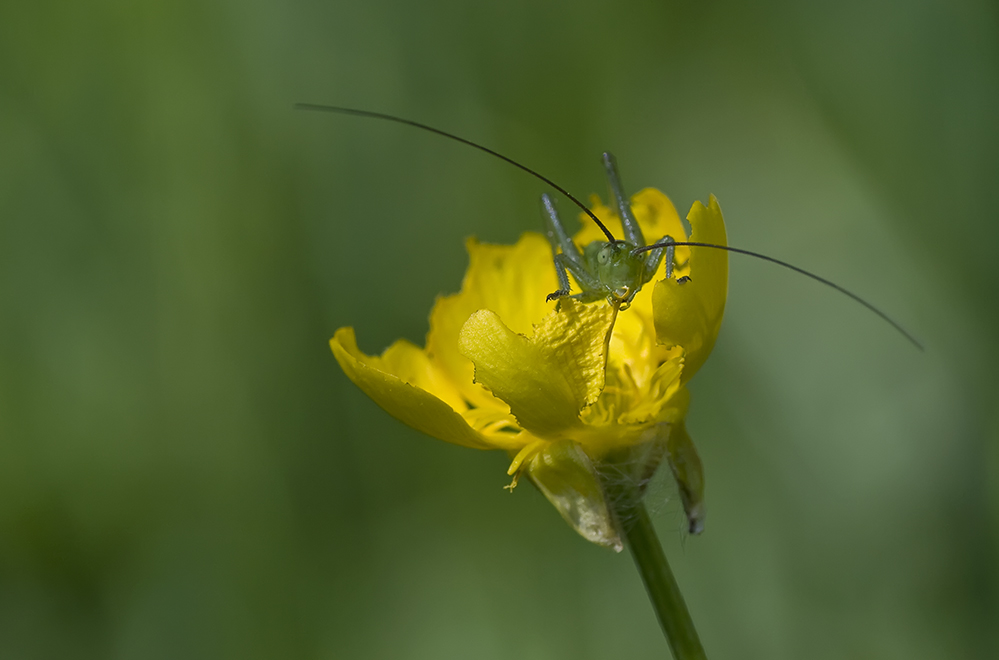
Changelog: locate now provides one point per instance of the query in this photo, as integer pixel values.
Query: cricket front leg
(655, 257)
(563, 266)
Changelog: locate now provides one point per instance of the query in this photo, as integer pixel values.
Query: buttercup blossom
(565, 388)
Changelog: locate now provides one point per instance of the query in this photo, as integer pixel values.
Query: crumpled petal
(384, 379)
(564, 473)
(511, 280)
(548, 378)
(689, 314)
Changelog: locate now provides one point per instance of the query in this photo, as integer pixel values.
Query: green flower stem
(659, 582)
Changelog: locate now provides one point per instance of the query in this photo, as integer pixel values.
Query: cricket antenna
(892, 322)
(378, 115)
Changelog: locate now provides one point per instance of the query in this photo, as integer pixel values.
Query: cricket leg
(556, 233)
(632, 232)
(587, 282)
(655, 257)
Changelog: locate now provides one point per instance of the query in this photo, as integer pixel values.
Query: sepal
(564, 473)
(689, 474)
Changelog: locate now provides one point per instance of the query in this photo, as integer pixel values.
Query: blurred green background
(185, 472)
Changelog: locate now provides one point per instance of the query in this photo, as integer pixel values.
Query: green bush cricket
(615, 269)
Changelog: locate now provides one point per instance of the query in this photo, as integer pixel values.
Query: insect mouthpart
(624, 295)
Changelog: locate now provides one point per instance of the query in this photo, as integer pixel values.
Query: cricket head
(619, 271)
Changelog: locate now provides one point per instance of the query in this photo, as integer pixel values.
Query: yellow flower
(564, 389)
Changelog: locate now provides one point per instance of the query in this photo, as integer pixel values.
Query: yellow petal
(564, 473)
(406, 401)
(548, 378)
(657, 217)
(410, 364)
(689, 314)
(511, 280)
